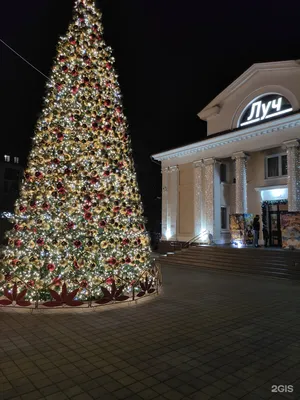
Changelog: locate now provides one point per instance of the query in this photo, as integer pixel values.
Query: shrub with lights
(79, 235)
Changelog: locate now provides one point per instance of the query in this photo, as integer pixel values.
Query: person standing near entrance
(256, 229)
(266, 236)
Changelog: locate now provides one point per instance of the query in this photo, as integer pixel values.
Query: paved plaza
(210, 335)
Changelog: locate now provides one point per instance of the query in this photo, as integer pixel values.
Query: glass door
(274, 228)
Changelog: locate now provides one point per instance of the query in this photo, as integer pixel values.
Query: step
(247, 252)
(213, 264)
(240, 261)
(228, 258)
(243, 272)
(242, 255)
(285, 273)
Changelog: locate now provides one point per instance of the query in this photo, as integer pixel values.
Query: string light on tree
(79, 230)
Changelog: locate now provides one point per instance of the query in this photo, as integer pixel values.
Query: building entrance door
(275, 210)
(274, 229)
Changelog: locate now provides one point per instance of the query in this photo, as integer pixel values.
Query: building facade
(249, 162)
(11, 174)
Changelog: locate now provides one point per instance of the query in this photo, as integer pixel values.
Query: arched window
(265, 107)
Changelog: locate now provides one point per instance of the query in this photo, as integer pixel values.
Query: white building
(250, 156)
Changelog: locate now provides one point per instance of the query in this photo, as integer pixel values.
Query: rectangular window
(16, 160)
(223, 172)
(7, 158)
(273, 167)
(284, 165)
(223, 218)
(276, 166)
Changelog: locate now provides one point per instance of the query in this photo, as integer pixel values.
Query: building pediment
(281, 79)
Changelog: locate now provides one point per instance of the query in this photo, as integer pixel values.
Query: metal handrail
(189, 242)
(181, 246)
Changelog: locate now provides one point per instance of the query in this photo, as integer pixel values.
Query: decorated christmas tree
(79, 235)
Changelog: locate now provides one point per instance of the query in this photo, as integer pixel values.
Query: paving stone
(140, 376)
(186, 389)
(32, 395)
(200, 396)
(173, 383)
(161, 388)
(82, 396)
(148, 394)
(173, 395)
(223, 385)
(101, 393)
(137, 387)
(126, 380)
(8, 394)
(224, 396)
(123, 393)
(263, 393)
(100, 381)
(112, 386)
(5, 386)
(65, 384)
(211, 390)
(42, 383)
(48, 390)
(237, 392)
(88, 385)
(150, 381)
(16, 398)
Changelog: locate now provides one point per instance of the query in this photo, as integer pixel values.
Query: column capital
(174, 168)
(198, 163)
(164, 170)
(239, 154)
(209, 161)
(291, 143)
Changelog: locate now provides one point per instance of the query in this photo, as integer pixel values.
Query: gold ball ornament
(97, 280)
(39, 284)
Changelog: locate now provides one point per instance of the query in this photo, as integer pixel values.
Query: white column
(164, 206)
(293, 161)
(212, 198)
(209, 194)
(173, 201)
(240, 182)
(198, 197)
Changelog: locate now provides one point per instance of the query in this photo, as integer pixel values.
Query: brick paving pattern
(209, 336)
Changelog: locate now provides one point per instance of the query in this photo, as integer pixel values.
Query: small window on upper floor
(223, 173)
(7, 158)
(276, 166)
(16, 160)
(224, 224)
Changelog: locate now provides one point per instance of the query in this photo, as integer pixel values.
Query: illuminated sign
(274, 194)
(268, 106)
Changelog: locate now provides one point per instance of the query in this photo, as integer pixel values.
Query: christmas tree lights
(79, 233)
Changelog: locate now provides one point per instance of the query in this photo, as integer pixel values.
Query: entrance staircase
(270, 262)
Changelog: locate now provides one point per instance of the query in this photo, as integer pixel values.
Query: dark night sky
(172, 56)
